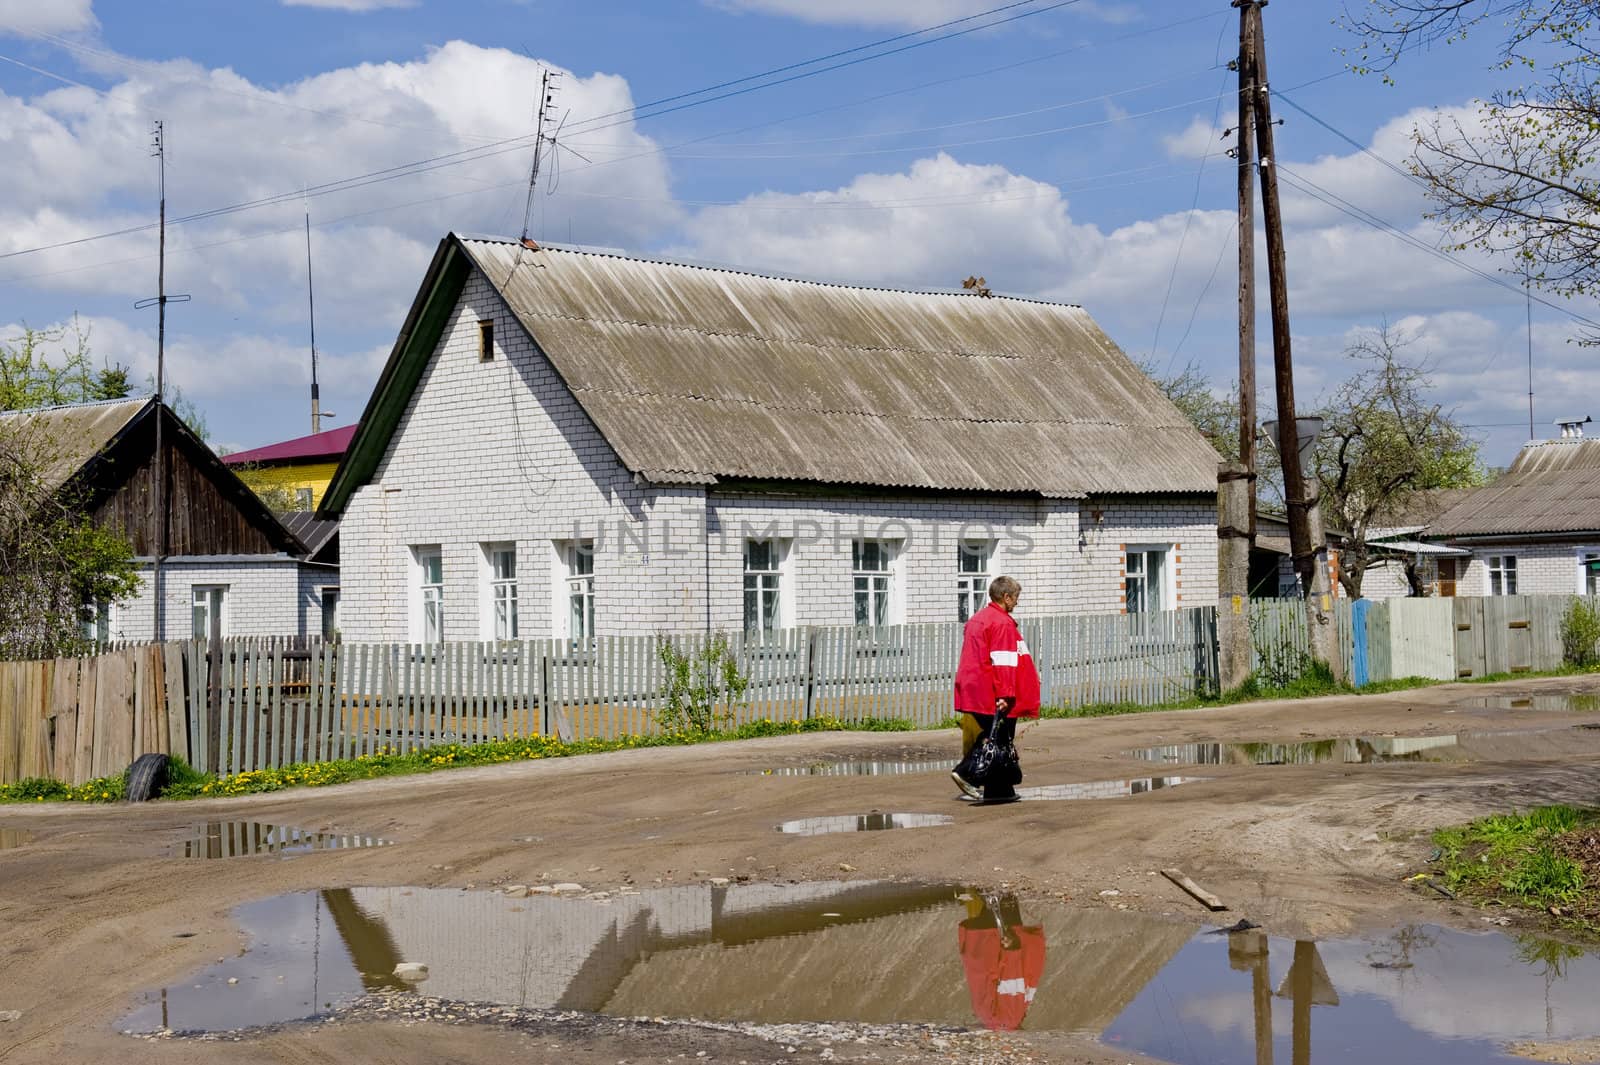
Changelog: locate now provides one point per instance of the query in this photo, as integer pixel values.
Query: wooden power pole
(1306, 541)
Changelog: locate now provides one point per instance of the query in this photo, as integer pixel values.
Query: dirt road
(95, 908)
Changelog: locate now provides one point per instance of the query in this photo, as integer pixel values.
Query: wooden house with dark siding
(229, 565)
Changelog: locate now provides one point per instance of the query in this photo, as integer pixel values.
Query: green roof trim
(419, 336)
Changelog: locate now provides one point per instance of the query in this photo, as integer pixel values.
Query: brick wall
(501, 452)
(1542, 568)
(263, 598)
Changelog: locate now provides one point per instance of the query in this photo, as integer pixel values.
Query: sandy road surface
(92, 908)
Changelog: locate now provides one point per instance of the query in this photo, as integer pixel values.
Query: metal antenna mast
(158, 148)
(311, 304)
(548, 88)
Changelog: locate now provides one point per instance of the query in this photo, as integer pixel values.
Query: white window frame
(777, 579)
(322, 610)
(567, 581)
(972, 586)
(889, 573)
(100, 620)
(424, 592)
(496, 590)
(1166, 586)
(216, 599)
(1496, 566)
(1582, 555)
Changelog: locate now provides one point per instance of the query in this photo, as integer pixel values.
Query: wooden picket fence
(240, 705)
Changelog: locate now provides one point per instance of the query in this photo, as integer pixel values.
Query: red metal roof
(325, 445)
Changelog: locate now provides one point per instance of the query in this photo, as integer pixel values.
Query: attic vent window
(486, 340)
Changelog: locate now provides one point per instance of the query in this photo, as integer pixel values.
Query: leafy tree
(53, 559)
(1525, 184)
(1191, 391)
(31, 377)
(1385, 442)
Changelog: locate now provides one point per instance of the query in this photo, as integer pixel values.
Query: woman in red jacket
(996, 676)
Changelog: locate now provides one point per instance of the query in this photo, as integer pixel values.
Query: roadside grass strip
(1546, 860)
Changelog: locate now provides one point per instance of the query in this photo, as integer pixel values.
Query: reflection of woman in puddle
(1002, 958)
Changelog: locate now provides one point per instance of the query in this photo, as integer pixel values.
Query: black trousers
(1002, 788)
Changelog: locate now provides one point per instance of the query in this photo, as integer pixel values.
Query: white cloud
(1200, 138)
(350, 5)
(46, 16)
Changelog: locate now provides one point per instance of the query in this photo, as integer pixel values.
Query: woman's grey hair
(1001, 587)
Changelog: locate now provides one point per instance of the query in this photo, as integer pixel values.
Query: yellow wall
(313, 475)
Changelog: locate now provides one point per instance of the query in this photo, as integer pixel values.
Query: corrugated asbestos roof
(65, 438)
(1553, 486)
(696, 374)
(310, 530)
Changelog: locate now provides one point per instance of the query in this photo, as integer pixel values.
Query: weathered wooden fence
(238, 705)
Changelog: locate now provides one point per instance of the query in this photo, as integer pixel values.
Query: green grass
(187, 783)
(1517, 859)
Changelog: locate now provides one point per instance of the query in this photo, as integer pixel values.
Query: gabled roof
(699, 375)
(324, 447)
(1552, 487)
(79, 445)
(66, 437)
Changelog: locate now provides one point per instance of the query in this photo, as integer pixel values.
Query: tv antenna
(317, 413)
(158, 148)
(549, 88)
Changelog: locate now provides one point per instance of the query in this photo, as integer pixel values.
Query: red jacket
(1002, 982)
(995, 664)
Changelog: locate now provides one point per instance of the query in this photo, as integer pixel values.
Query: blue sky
(1070, 154)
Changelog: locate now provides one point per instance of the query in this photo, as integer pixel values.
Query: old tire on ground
(147, 777)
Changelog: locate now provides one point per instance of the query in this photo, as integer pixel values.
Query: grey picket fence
(264, 704)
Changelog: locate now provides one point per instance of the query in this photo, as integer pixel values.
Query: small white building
(1536, 529)
(566, 443)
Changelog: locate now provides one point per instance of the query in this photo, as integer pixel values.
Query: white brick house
(1536, 529)
(618, 446)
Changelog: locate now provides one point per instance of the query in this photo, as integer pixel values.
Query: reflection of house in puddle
(1348, 750)
(769, 953)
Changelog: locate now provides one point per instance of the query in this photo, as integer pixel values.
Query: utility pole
(158, 148)
(311, 304)
(1307, 543)
(1236, 494)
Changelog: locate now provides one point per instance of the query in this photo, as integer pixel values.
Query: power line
(1331, 199)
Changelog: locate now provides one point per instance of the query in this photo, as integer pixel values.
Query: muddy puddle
(1572, 701)
(873, 822)
(14, 837)
(240, 839)
(876, 952)
(1479, 746)
(1102, 789)
(859, 768)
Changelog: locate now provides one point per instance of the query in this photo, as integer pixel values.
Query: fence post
(546, 718)
(808, 675)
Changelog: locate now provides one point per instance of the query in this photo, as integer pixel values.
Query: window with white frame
(972, 576)
(99, 621)
(872, 570)
(577, 558)
(501, 571)
(1589, 571)
(763, 586)
(429, 594)
(1502, 574)
(210, 614)
(1146, 569)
